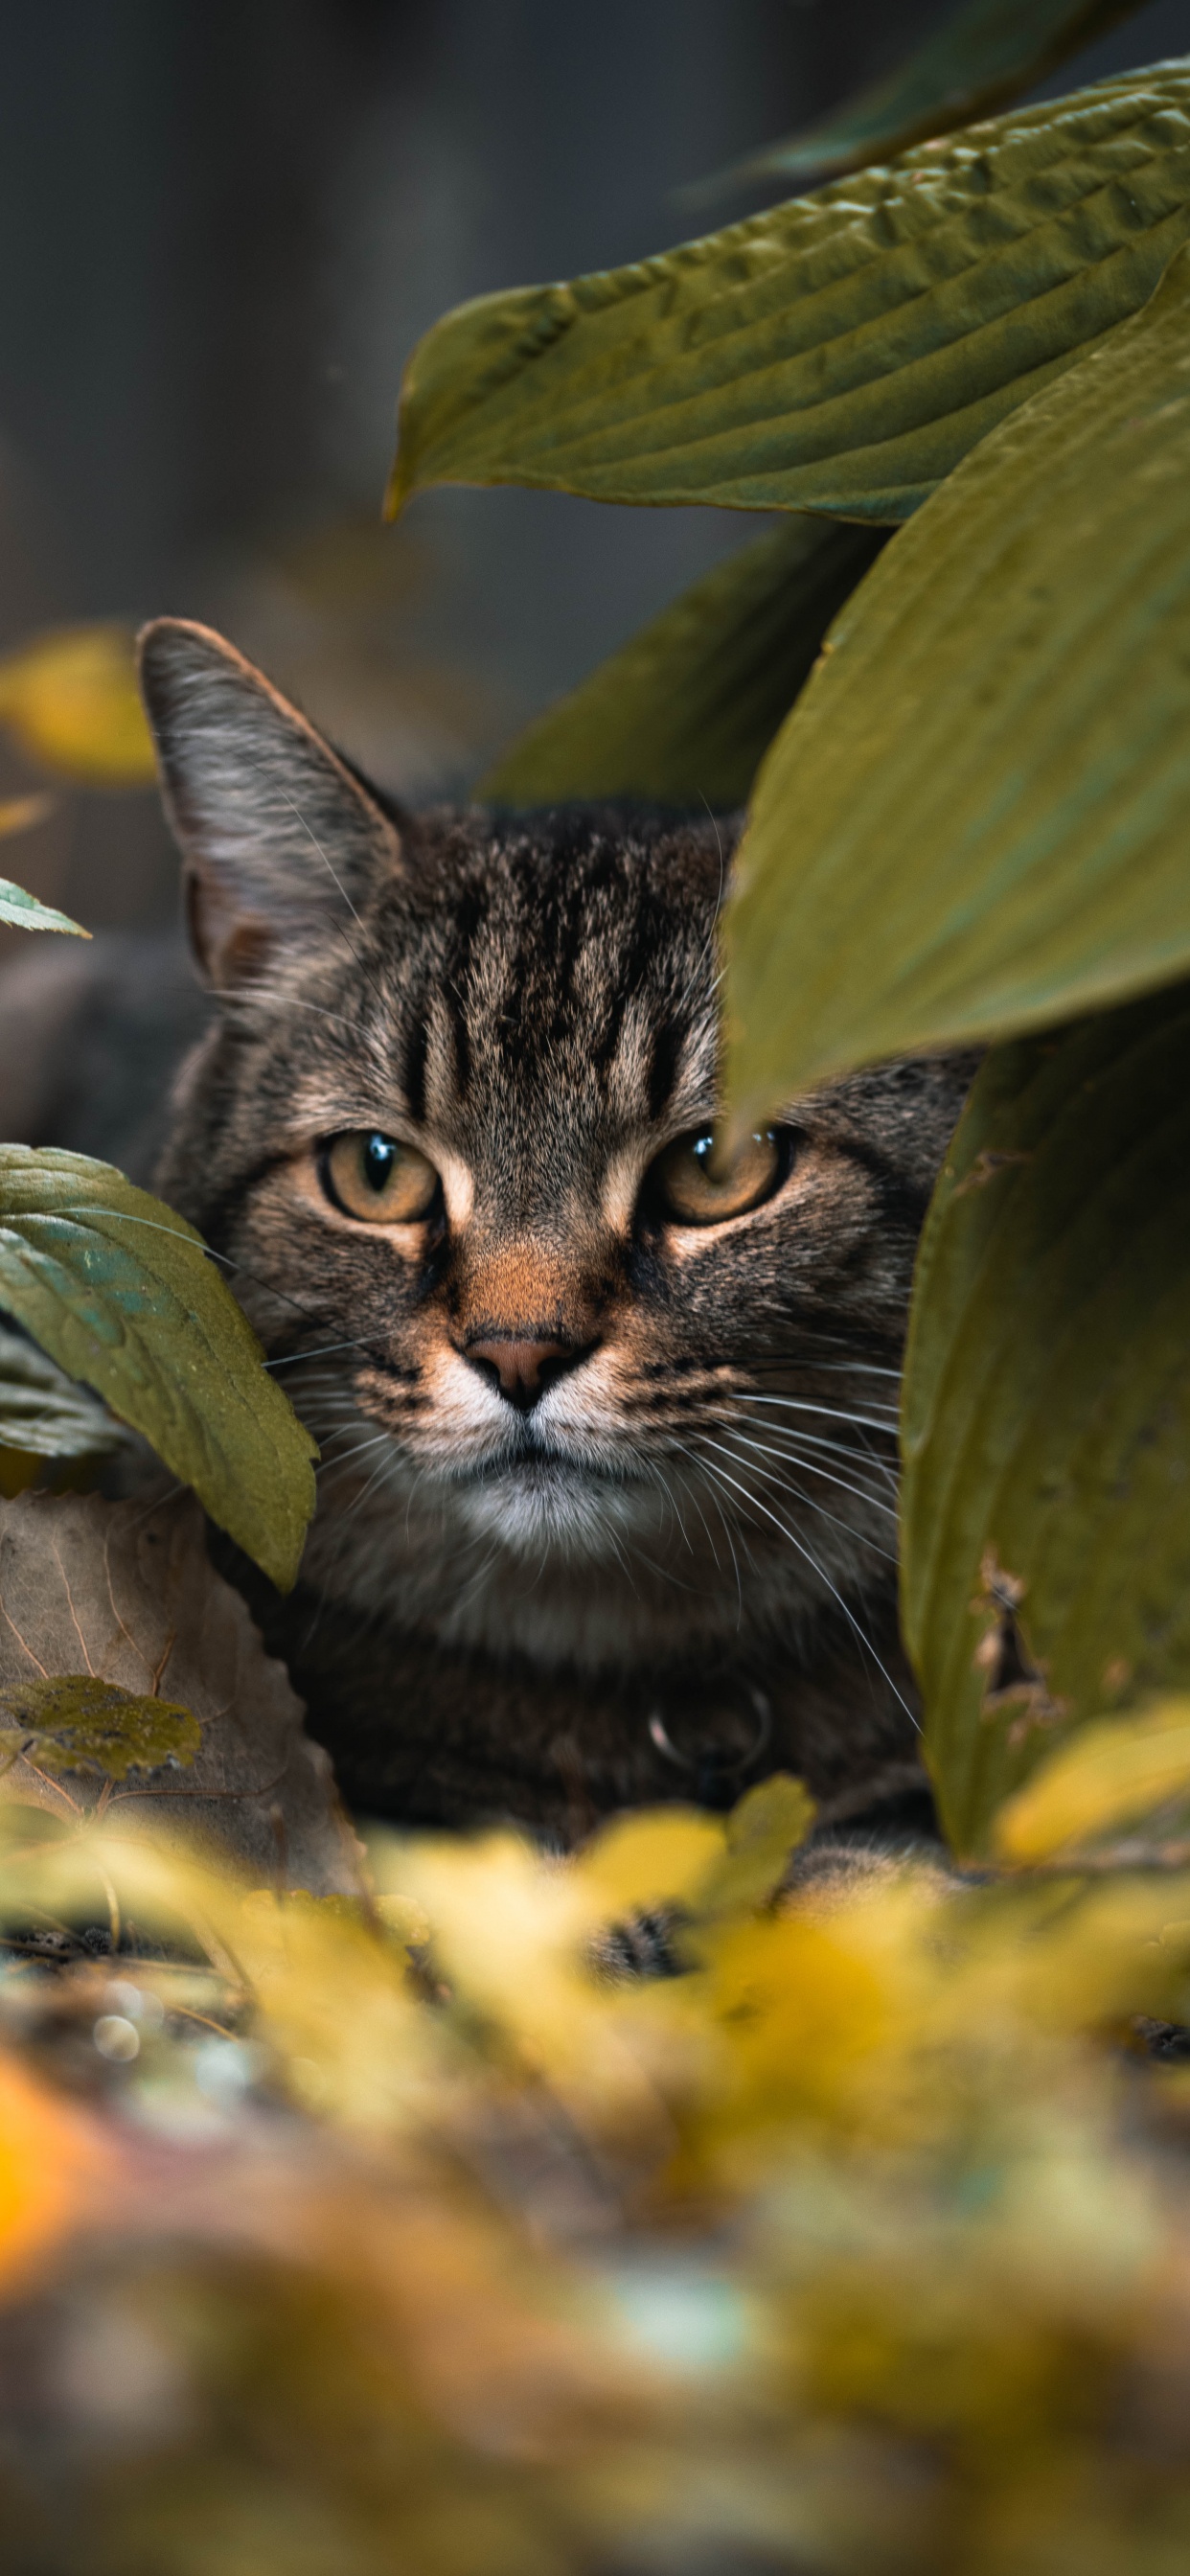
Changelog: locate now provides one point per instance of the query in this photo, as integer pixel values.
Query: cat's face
(454, 1129)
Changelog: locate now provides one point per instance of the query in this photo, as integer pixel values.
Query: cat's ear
(279, 838)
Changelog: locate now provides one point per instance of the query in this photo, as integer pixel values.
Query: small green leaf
(78, 1722)
(46, 1413)
(839, 353)
(121, 1292)
(23, 912)
(1046, 1537)
(978, 59)
(685, 710)
(974, 819)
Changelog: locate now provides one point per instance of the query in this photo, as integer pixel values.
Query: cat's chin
(553, 1506)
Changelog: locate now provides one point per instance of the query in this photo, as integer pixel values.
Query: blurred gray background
(227, 221)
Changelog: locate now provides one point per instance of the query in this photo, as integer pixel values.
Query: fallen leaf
(77, 1722)
(126, 1595)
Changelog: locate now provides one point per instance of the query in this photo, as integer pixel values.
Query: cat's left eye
(691, 1185)
(374, 1177)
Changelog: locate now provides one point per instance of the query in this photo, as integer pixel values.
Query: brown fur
(677, 1568)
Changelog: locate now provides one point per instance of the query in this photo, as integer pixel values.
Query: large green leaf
(975, 818)
(840, 353)
(121, 1292)
(979, 58)
(1046, 1545)
(685, 711)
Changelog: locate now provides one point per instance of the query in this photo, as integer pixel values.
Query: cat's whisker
(812, 1561)
(854, 1454)
(826, 1412)
(358, 1452)
(294, 1359)
(786, 1485)
(863, 1494)
(807, 1450)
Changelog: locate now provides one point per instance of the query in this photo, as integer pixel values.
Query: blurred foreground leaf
(978, 58)
(121, 1292)
(683, 712)
(77, 1722)
(1046, 1544)
(839, 353)
(855, 2248)
(973, 821)
(71, 700)
(1112, 1774)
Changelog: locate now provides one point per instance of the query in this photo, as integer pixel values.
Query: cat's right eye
(374, 1177)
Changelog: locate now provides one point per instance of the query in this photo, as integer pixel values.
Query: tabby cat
(608, 1487)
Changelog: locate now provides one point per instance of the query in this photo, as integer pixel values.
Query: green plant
(113, 1285)
(970, 825)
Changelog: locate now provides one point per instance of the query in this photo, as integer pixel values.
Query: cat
(607, 1497)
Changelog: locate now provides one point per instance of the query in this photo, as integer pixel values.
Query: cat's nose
(522, 1366)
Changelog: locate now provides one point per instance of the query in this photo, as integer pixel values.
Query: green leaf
(839, 353)
(974, 819)
(979, 58)
(685, 710)
(78, 1722)
(121, 1292)
(46, 1413)
(23, 912)
(1046, 1537)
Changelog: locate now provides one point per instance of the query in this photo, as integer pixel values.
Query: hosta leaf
(121, 1293)
(72, 701)
(46, 1413)
(1046, 1537)
(974, 819)
(684, 711)
(980, 57)
(839, 353)
(77, 1722)
(1116, 1774)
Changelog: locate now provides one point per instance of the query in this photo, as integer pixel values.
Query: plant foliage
(397, 2235)
(682, 714)
(122, 1293)
(972, 821)
(840, 353)
(983, 54)
(1046, 1547)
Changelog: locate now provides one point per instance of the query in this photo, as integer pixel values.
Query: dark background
(225, 224)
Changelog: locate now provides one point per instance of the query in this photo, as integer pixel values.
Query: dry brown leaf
(130, 1596)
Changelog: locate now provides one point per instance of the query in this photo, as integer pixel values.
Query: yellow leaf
(765, 1826)
(71, 699)
(1112, 1774)
(657, 1856)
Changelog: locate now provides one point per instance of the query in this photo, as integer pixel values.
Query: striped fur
(679, 1567)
